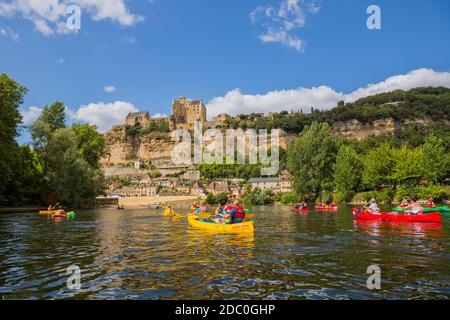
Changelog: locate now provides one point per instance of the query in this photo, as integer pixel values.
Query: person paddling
(373, 207)
(416, 208)
(430, 203)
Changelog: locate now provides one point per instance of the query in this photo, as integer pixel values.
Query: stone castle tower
(186, 112)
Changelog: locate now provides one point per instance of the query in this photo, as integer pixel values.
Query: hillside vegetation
(431, 102)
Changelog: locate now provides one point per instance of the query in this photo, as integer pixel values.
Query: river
(139, 254)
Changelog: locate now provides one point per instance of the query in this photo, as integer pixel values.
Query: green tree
(347, 173)
(409, 165)
(222, 198)
(69, 177)
(378, 166)
(28, 177)
(154, 174)
(54, 116)
(11, 97)
(51, 119)
(310, 159)
(90, 143)
(436, 162)
(211, 199)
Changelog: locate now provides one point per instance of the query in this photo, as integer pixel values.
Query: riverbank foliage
(322, 165)
(63, 164)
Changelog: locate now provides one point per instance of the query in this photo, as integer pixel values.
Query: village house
(218, 187)
(141, 117)
(197, 189)
(183, 189)
(193, 175)
(137, 191)
(236, 192)
(280, 184)
(221, 118)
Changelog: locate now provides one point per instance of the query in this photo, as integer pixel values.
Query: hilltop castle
(184, 114)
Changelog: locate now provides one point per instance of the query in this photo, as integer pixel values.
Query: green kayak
(442, 209)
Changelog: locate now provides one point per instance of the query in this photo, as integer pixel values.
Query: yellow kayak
(244, 227)
(48, 212)
(172, 214)
(169, 213)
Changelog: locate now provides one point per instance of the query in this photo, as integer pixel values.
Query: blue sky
(154, 51)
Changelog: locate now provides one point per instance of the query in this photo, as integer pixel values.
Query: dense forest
(61, 166)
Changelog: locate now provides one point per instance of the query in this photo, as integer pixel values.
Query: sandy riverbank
(141, 201)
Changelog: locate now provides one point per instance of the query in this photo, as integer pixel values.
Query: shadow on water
(139, 254)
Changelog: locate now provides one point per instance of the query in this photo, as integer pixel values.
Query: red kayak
(325, 208)
(300, 209)
(397, 217)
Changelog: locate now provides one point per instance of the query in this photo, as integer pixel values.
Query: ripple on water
(138, 254)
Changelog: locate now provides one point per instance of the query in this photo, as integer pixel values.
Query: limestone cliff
(358, 130)
(155, 146)
(124, 148)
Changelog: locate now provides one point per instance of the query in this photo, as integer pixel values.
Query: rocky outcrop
(358, 130)
(158, 146)
(154, 146)
(123, 148)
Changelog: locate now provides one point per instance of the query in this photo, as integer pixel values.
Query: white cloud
(30, 115)
(416, 78)
(60, 61)
(322, 97)
(284, 38)
(280, 23)
(109, 89)
(104, 115)
(49, 16)
(9, 33)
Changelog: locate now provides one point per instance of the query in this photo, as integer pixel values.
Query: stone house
(197, 189)
(218, 187)
(137, 191)
(236, 192)
(277, 185)
(221, 118)
(185, 112)
(141, 117)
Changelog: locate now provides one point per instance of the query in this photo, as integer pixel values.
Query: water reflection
(414, 230)
(139, 254)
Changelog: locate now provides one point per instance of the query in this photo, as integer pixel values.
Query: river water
(139, 254)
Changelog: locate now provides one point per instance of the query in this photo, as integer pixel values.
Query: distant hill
(428, 104)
